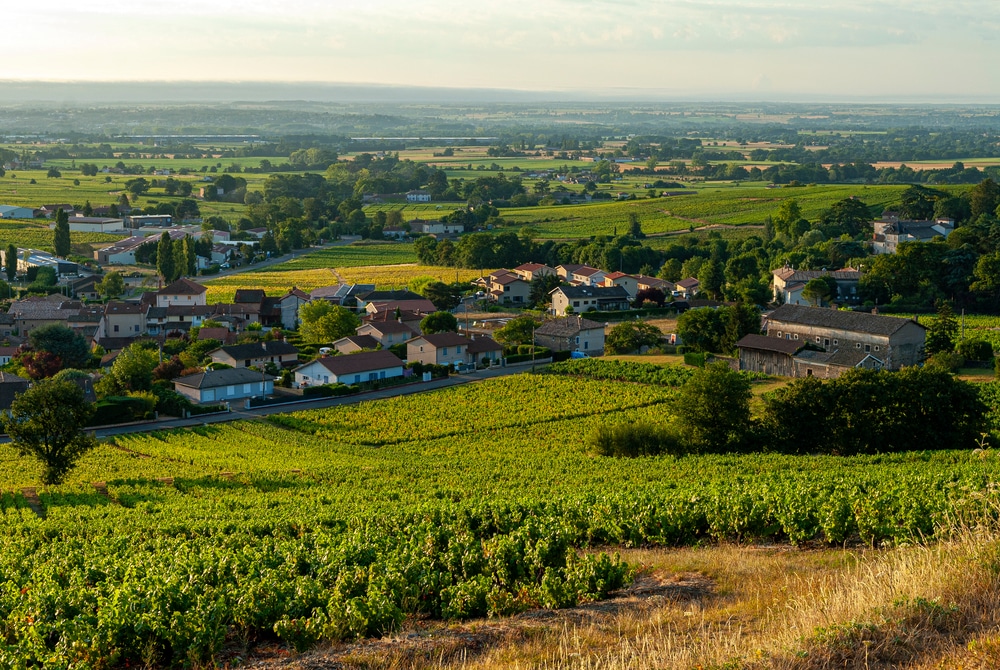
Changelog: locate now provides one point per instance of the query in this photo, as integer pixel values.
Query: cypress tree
(60, 239)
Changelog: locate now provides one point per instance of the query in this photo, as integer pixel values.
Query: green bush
(975, 350)
(695, 358)
(630, 440)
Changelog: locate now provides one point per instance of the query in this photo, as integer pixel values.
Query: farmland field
(353, 255)
(461, 502)
(734, 205)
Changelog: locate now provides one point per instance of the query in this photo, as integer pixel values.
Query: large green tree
(444, 296)
(10, 262)
(112, 286)
(60, 238)
(941, 331)
(165, 261)
(714, 411)
(519, 330)
(61, 341)
(630, 336)
(132, 371)
(46, 422)
(439, 322)
(323, 322)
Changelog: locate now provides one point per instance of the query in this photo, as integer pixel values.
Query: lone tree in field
(60, 238)
(10, 262)
(46, 422)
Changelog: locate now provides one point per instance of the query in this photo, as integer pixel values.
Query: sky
(921, 50)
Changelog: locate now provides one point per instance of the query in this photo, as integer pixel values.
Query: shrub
(944, 360)
(695, 358)
(975, 350)
(630, 440)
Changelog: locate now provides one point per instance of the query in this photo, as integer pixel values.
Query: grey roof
(257, 349)
(443, 339)
(567, 327)
(182, 286)
(858, 322)
(765, 343)
(363, 361)
(593, 292)
(385, 296)
(844, 358)
(480, 345)
(360, 341)
(216, 378)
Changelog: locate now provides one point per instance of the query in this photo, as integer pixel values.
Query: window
(779, 333)
(857, 346)
(458, 349)
(357, 379)
(247, 388)
(817, 339)
(137, 328)
(585, 344)
(230, 390)
(576, 303)
(835, 342)
(578, 339)
(116, 328)
(795, 336)
(826, 341)
(868, 348)
(444, 351)
(788, 336)
(876, 347)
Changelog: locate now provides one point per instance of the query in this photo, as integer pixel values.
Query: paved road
(239, 413)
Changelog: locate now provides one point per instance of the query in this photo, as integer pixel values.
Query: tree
(701, 329)
(61, 341)
(631, 336)
(40, 364)
(165, 262)
(941, 331)
(111, 286)
(439, 322)
(519, 330)
(10, 262)
(132, 371)
(984, 198)
(716, 410)
(540, 288)
(635, 226)
(46, 422)
(818, 290)
(324, 322)
(444, 296)
(653, 295)
(60, 238)
(850, 216)
(711, 278)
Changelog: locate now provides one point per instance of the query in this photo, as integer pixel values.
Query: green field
(351, 256)
(729, 205)
(462, 502)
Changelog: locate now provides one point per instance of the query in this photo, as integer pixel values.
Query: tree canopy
(46, 422)
(323, 322)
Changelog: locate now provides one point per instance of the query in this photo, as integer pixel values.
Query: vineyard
(351, 256)
(744, 205)
(470, 501)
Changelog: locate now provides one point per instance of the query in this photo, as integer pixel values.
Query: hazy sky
(771, 49)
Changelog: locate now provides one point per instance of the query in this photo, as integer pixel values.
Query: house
(218, 333)
(570, 299)
(227, 385)
(85, 287)
(787, 284)
(123, 320)
(418, 196)
(341, 294)
(409, 317)
(288, 307)
(48, 211)
(628, 282)
(11, 386)
(688, 288)
(587, 276)
(394, 232)
(508, 288)
(257, 354)
(387, 333)
(420, 305)
(645, 283)
(436, 227)
(352, 344)
(529, 271)
(364, 298)
(142, 220)
(438, 349)
(572, 333)
(484, 350)
(792, 358)
(7, 354)
(366, 366)
(182, 292)
(35, 311)
(891, 231)
(894, 341)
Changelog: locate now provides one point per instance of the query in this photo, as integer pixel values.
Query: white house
(224, 385)
(365, 366)
(418, 196)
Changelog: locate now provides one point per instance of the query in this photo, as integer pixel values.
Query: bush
(975, 350)
(944, 360)
(695, 358)
(630, 440)
(121, 409)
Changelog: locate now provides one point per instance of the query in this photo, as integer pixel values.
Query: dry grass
(734, 606)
